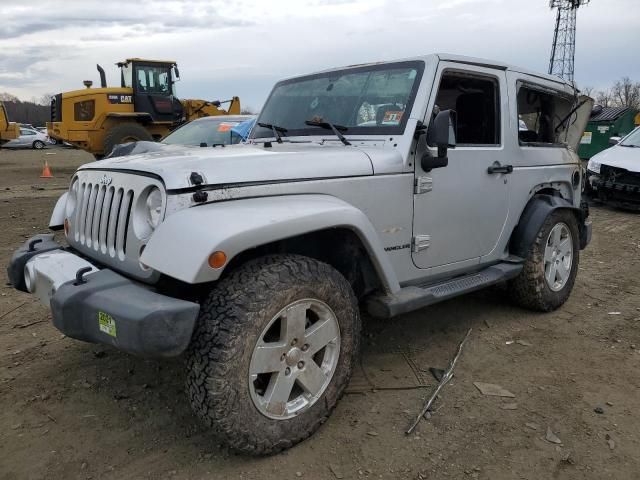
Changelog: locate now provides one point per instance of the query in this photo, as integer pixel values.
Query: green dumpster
(605, 122)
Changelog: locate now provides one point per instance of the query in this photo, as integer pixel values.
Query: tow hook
(32, 244)
(80, 275)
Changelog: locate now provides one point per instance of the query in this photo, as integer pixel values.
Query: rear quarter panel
(534, 168)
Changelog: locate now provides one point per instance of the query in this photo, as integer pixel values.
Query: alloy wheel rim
(558, 257)
(294, 359)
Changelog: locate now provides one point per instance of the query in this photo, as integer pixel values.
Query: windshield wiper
(330, 126)
(630, 145)
(275, 129)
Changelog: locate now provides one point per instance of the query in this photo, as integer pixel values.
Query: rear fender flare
(533, 217)
(181, 245)
(145, 117)
(111, 119)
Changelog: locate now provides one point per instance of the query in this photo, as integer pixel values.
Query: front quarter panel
(181, 245)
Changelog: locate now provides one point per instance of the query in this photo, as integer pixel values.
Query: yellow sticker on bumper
(107, 324)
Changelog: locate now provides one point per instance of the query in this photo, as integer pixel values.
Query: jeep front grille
(102, 218)
(102, 222)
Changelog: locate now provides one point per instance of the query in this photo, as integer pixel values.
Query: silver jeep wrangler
(391, 185)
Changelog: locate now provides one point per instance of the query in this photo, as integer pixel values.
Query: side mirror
(177, 72)
(442, 134)
(614, 141)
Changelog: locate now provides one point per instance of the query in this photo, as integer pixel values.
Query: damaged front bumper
(616, 192)
(100, 305)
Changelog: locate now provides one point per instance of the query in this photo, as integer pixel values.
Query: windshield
(152, 79)
(632, 140)
(210, 131)
(374, 99)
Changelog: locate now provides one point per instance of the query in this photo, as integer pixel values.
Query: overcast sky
(242, 47)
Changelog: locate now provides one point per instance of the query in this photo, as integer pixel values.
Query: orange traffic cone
(46, 171)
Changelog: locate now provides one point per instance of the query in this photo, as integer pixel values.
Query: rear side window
(476, 100)
(542, 116)
(84, 111)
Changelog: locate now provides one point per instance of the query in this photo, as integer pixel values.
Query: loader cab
(153, 84)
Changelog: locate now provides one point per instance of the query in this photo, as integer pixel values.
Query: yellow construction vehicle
(8, 130)
(144, 107)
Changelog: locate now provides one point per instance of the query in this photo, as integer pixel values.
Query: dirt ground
(70, 410)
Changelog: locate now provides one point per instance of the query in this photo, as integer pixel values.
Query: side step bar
(415, 297)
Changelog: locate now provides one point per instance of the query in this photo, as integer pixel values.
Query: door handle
(498, 168)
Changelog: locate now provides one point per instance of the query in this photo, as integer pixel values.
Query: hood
(619, 157)
(243, 163)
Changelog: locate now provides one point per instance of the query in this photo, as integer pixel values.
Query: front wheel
(550, 270)
(273, 351)
(38, 145)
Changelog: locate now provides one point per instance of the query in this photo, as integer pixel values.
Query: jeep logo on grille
(105, 180)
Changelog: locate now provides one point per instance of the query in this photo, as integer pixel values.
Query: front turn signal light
(217, 259)
(67, 226)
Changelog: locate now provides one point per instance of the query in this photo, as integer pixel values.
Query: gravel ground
(73, 410)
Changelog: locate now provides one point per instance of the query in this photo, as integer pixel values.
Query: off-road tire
(123, 133)
(38, 145)
(232, 318)
(530, 289)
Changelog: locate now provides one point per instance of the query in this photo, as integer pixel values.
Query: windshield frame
(398, 129)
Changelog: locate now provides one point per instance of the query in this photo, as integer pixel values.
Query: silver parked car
(217, 131)
(29, 138)
(208, 131)
(388, 186)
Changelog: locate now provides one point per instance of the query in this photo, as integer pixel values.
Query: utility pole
(564, 37)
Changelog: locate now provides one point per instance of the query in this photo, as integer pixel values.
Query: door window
(24, 131)
(476, 100)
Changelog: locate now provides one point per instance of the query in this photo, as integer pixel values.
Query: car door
(26, 137)
(460, 210)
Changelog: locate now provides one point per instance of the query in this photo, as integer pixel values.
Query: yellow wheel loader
(144, 107)
(8, 130)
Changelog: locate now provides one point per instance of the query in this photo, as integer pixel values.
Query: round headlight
(154, 207)
(147, 212)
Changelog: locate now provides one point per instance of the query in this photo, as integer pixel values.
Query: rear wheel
(550, 270)
(273, 351)
(38, 145)
(125, 133)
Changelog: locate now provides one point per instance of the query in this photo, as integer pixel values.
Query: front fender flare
(57, 216)
(181, 245)
(532, 219)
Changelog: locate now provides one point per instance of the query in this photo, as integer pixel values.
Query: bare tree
(45, 99)
(626, 93)
(604, 98)
(7, 97)
(588, 91)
